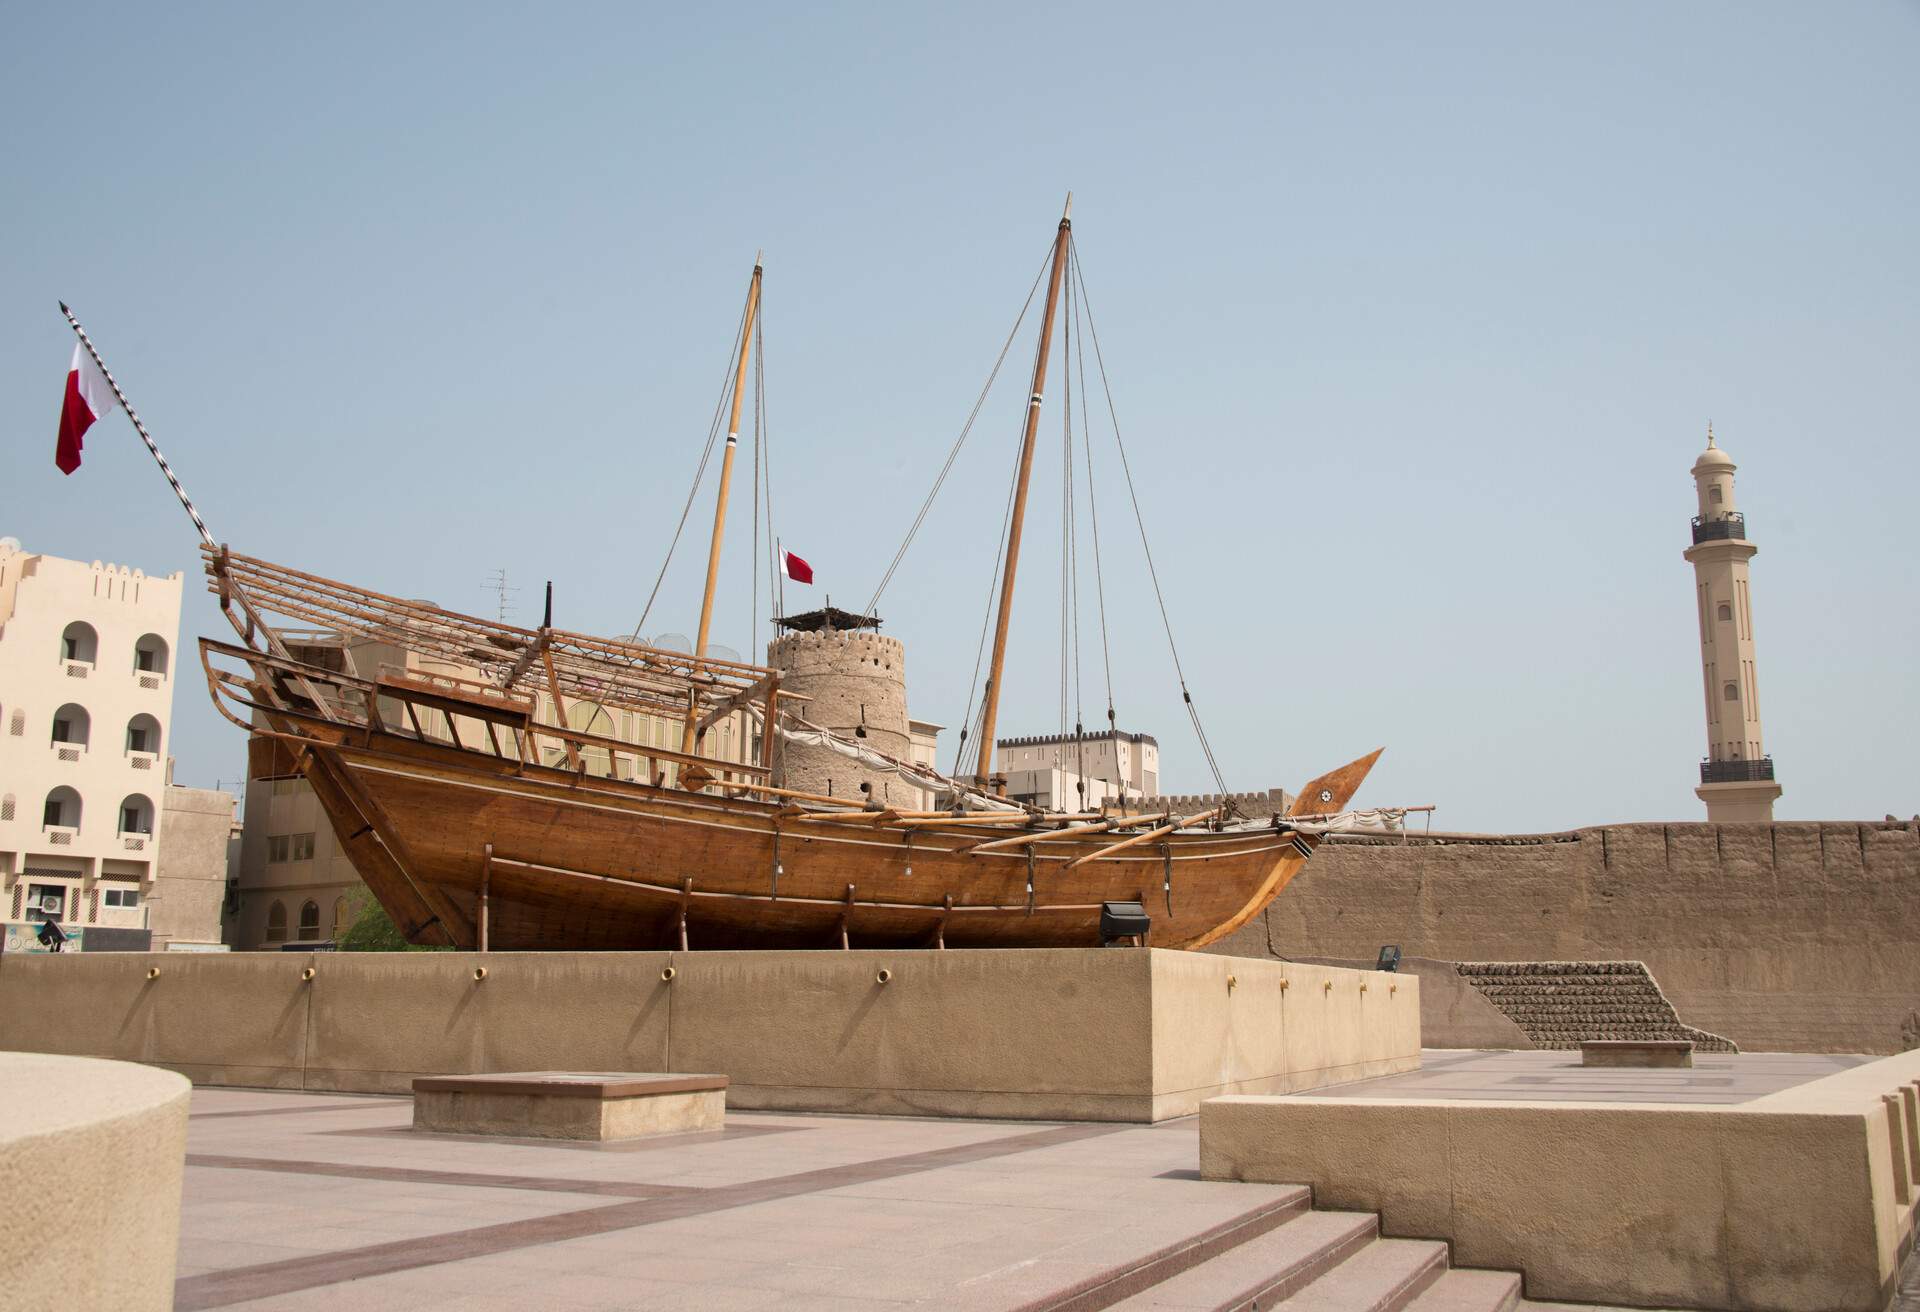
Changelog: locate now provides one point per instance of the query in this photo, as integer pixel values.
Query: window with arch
(339, 919)
(78, 642)
(1714, 495)
(150, 655)
(62, 810)
(1726, 611)
(309, 920)
(277, 922)
(136, 814)
(1730, 692)
(588, 717)
(143, 735)
(72, 726)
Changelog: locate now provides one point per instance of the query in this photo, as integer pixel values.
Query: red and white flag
(89, 396)
(795, 568)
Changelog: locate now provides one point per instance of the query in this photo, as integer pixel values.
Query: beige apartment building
(87, 669)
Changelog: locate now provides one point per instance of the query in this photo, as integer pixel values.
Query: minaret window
(1732, 692)
(1713, 495)
(1726, 611)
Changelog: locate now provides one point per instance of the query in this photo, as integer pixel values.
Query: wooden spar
(991, 703)
(720, 505)
(1071, 831)
(1134, 840)
(559, 708)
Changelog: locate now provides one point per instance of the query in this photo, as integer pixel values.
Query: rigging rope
(1133, 495)
(873, 603)
(713, 434)
(762, 455)
(1093, 502)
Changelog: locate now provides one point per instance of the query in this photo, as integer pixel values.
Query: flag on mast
(88, 397)
(795, 568)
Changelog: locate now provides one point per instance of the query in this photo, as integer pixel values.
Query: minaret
(1736, 778)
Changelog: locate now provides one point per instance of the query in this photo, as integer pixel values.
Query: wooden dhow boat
(440, 748)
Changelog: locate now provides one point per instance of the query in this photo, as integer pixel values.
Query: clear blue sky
(1416, 315)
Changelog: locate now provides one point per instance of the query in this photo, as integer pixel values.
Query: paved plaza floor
(1558, 1076)
(298, 1200)
(306, 1200)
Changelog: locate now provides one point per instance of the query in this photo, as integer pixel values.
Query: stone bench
(1637, 1052)
(600, 1105)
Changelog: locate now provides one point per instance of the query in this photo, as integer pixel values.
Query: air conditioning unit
(50, 902)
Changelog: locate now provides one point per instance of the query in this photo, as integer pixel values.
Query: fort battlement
(856, 685)
(1253, 806)
(1784, 937)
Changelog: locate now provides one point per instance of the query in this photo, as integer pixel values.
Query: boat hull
(573, 861)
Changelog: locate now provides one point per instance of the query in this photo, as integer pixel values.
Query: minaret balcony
(1733, 524)
(1737, 772)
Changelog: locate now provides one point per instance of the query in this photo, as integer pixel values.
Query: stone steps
(1329, 1262)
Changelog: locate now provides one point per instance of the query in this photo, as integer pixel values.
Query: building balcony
(144, 760)
(151, 679)
(68, 751)
(1733, 524)
(1737, 772)
(78, 669)
(135, 842)
(60, 835)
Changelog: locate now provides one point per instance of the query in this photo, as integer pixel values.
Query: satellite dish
(673, 642)
(9, 544)
(715, 651)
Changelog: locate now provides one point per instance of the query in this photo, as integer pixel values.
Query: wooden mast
(991, 708)
(691, 731)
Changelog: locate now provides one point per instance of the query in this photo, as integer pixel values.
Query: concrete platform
(601, 1106)
(1656, 1054)
(1558, 1076)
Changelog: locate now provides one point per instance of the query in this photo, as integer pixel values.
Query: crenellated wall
(1786, 937)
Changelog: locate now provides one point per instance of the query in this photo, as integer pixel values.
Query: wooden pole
(720, 505)
(991, 708)
(486, 878)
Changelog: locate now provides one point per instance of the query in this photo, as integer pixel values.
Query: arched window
(587, 717)
(150, 655)
(136, 814)
(78, 642)
(339, 919)
(1726, 611)
(143, 736)
(309, 920)
(1731, 692)
(72, 726)
(1713, 494)
(277, 922)
(62, 810)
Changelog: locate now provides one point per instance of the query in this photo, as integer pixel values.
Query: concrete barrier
(91, 1159)
(1113, 1034)
(1800, 1201)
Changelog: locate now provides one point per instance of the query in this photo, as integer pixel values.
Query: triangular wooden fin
(1334, 789)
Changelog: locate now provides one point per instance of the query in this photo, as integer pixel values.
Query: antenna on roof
(497, 581)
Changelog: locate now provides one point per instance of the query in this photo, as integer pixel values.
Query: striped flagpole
(139, 427)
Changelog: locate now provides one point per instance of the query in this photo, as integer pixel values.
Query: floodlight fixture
(1389, 958)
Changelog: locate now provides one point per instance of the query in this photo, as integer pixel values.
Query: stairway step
(1471, 1291)
(1268, 1268)
(1385, 1276)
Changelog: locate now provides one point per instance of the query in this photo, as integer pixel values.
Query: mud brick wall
(1562, 1004)
(1791, 937)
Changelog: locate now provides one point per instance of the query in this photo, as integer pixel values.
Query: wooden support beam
(486, 879)
(560, 709)
(1160, 831)
(1022, 840)
(686, 896)
(846, 914)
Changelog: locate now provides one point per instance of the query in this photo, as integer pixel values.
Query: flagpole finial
(64, 309)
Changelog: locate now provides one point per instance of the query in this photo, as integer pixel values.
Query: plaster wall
(190, 883)
(1113, 1034)
(1790, 937)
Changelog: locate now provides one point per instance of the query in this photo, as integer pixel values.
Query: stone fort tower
(1736, 778)
(857, 682)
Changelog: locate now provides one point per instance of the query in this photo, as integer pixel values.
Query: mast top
(1066, 215)
(758, 263)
